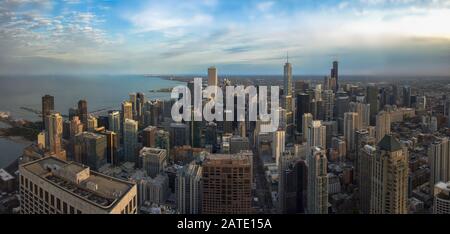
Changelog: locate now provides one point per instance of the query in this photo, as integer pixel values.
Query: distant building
(53, 186)
(90, 149)
(53, 135)
(383, 125)
(153, 160)
(130, 139)
(48, 105)
(439, 160)
(83, 113)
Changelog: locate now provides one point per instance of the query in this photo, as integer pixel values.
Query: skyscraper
(307, 119)
(188, 189)
(127, 110)
(48, 105)
(317, 182)
(91, 123)
(213, 79)
(114, 121)
(383, 125)
(149, 136)
(406, 96)
(227, 184)
(389, 178)
(372, 99)
(162, 141)
(366, 156)
(363, 111)
(328, 104)
(316, 135)
(53, 135)
(335, 74)
(278, 144)
(83, 113)
(130, 135)
(153, 160)
(90, 149)
(351, 124)
(439, 159)
(303, 106)
(288, 100)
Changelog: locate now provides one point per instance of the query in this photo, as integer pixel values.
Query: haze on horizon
(368, 37)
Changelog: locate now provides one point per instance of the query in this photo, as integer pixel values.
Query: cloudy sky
(398, 37)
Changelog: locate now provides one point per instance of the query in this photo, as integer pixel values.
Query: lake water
(99, 91)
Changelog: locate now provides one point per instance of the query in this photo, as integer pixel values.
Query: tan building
(227, 184)
(212, 77)
(53, 186)
(127, 110)
(383, 125)
(441, 203)
(317, 188)
(389, 178)
(53, 135)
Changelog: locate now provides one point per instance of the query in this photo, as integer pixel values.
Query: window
(64, 208)
(52, 200)
(58, 204)
(46, 196)
(72, 210)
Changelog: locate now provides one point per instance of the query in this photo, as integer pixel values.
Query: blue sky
(370, 37)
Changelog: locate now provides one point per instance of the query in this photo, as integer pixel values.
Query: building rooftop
(5, 176)
(77, 179)
(389, 143)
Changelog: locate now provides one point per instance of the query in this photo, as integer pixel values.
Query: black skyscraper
(48, 104)
(82, 112)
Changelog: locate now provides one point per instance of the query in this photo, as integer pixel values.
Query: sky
(367, 37)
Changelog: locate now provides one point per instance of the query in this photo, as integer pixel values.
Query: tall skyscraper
(162, 141)
(307, 119)
(288, 100)
(303, 106)
(383, 125)
(372, 99)
(149, 136)
(130, 139)
(213, 79)
(127, 110)
(328, 105)
(363, 111)
(287, 79)
(91, 123)
(112, 146)
(389, 178)
(366, 156)
(53, 135)
(53, 186)
(351, 124)
(188, 189)
(90, 149)
(227, 184)
(48, 105)
(439, 159)
(316, 135)
(153, 160)
(317, 182)
(278, 144)
(407, 96)
(441, 204)
(335, 74)
(83, 113)
(114, 121)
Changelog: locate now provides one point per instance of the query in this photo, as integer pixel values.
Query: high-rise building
(83, 113)
(162, 141)
(149, 136)
(303, 106)
(278, 144)
(130, 139)
(91, 123)
(389, 178)
(351, 124)
(407, 96)
(127, 111)
(328, 104)
(316, 135)
(372, 99)
(441, 204)
(112, 146)
(439, 159)
(188, 189)
(153, 160)
(317, 198)
(307, 119)
(90, 149)
(288, 100)
(53, 186)
(213, 79)
(366, 156)
(114, 121)
(53, 135)
(48, 105)
(287, 79)
(335, 74)
(238, 143)
(227, 184)
(363, 111)
(179, 133)
(383, 125)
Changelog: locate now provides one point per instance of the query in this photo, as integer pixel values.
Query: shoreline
(17, 139)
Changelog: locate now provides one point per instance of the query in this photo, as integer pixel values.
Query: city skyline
(368, 37)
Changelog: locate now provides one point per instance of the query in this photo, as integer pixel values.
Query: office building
(153, 160)
(317, 198)
(366, 156)
(278, 145)
(130, 139)
(316, 135)
(441, 203)
(90, 149)
(48, 105)
(83, 113)
(372, 99)
(188, 189)
(53, 186)
(114, 122)
(383, 125)
(127, 111)
(53, 135)
(351, 124)
(439, 160)
(227, 184)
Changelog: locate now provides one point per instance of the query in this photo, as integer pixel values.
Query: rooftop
(5, 176)
(80, 181)
(389, 143)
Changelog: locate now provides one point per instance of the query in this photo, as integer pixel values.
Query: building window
(64, 208)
